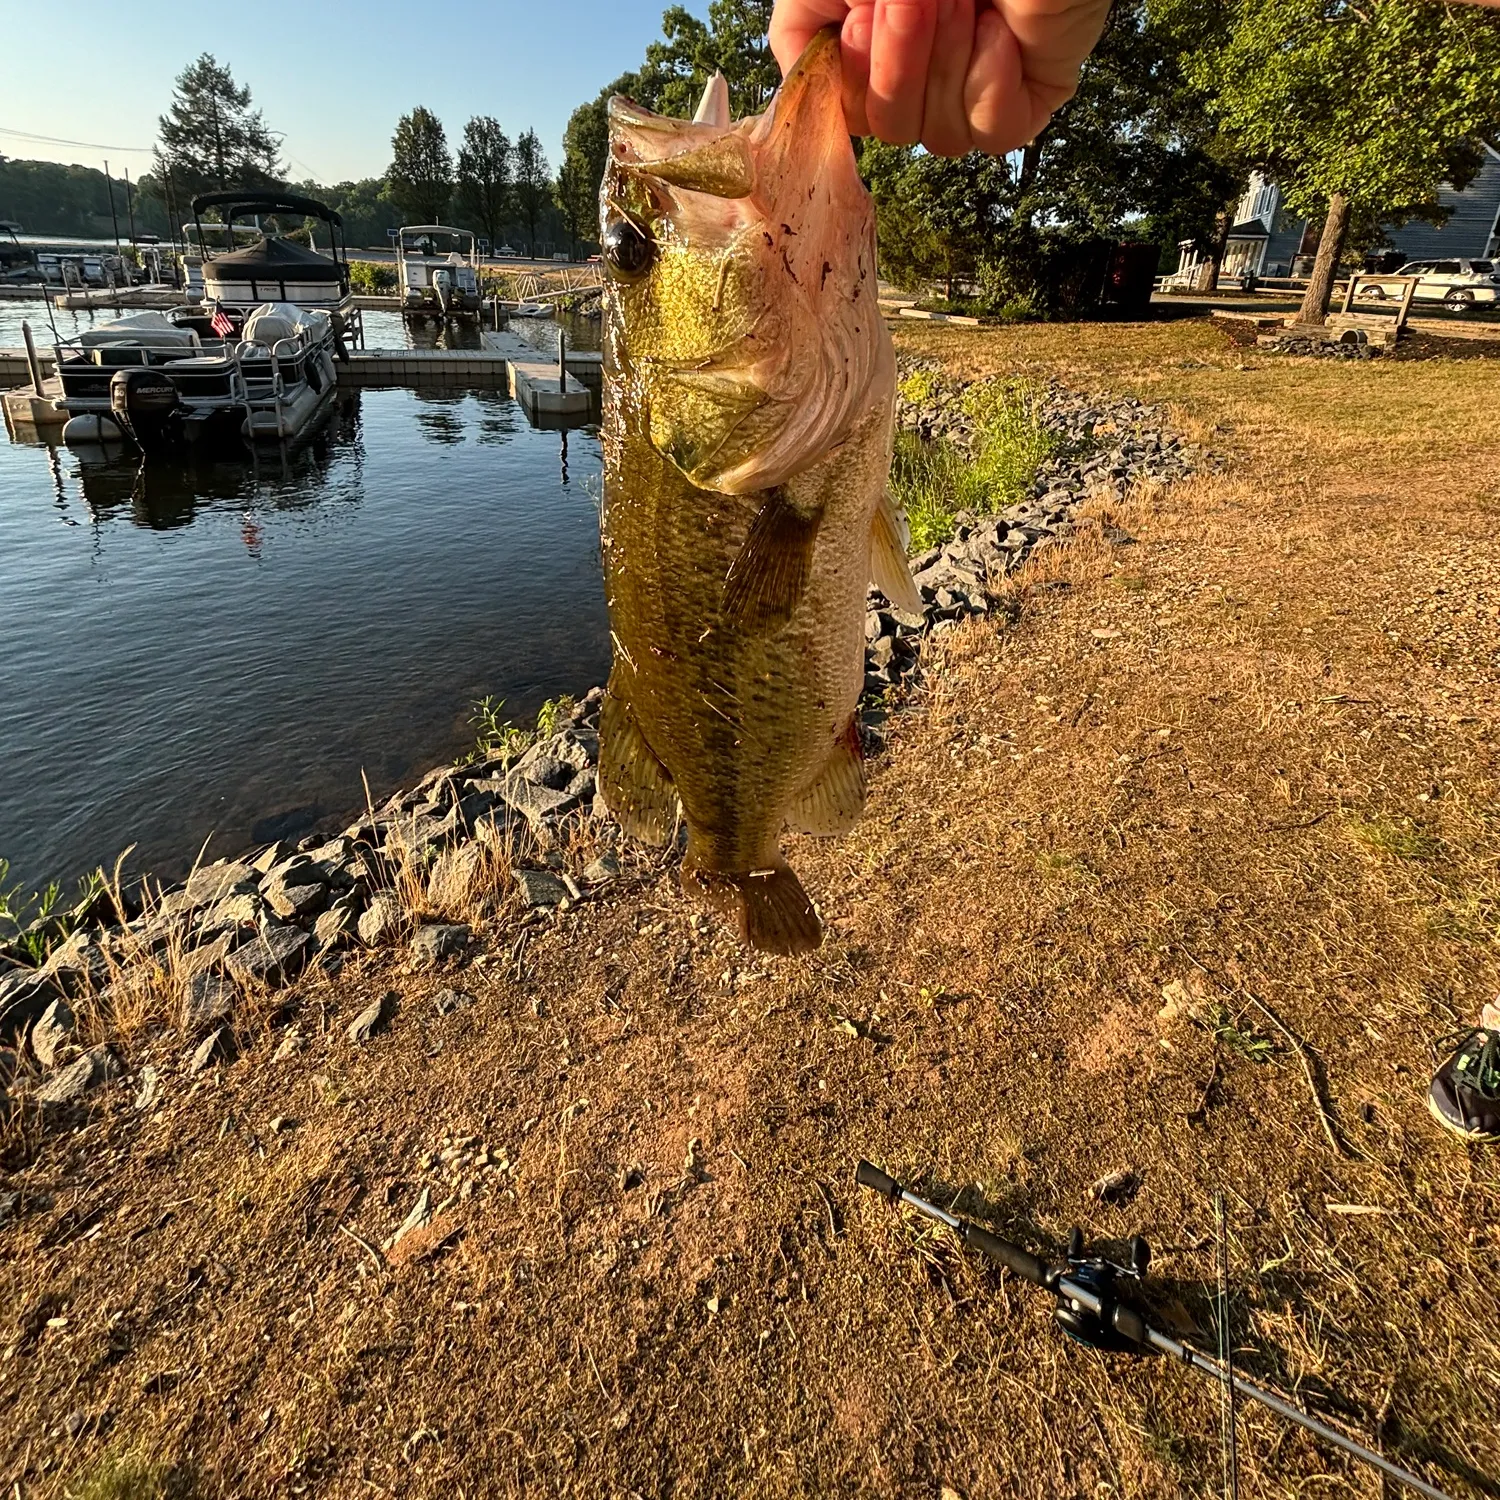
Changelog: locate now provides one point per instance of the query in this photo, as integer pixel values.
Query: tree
(585, 156)
(938, 217)
(210, 137)
(732, 42)
(577, 201)
(533, 186)
(1360, 111)
(420, 176)
(484, 168)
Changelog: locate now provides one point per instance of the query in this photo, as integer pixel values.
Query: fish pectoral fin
(889, 570)
(770, 573)
(636, 786)
(831, 804)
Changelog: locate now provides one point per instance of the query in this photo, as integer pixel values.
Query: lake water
(219, 647)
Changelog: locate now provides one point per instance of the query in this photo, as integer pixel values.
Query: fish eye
(628, 248)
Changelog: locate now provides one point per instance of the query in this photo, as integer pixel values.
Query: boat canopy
(151, 328)
(248, 201)
(274, 259)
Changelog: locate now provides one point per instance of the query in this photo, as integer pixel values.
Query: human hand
(956, 75)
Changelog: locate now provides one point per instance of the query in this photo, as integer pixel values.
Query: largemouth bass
(748, 412)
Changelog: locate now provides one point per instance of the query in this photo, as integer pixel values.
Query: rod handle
(867, 1174)
(1002, 1252)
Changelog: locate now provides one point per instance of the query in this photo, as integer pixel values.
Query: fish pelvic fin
(769, 575)
(636, 786)
(768, 907)
(831, 804)
(889, 570)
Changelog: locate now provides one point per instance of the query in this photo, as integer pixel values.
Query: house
(1265, 240)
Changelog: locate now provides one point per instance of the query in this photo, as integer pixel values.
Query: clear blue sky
(331, 77)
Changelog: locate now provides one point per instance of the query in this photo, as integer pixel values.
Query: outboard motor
(145, 404)
(442, 286)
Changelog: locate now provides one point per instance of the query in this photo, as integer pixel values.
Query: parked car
(1459, 284)
(505, 251)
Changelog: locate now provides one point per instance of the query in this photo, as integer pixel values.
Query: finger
(945, 121)
(900, 49)
(854, 49)
(995, 95)
(794, 23)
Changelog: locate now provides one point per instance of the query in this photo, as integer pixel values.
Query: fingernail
(903, 19)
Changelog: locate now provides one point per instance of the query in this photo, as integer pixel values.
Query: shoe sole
(1474, 1137)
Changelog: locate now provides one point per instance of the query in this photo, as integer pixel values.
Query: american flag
(220, 322)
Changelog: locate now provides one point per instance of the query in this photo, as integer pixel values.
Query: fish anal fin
(888, 566)
(769, 575)
(831, 803)
(635, 785)
(768, 907)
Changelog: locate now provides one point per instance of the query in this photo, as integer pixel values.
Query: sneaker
(1465, 1092)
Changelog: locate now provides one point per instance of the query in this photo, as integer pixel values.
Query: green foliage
(933, 481)
(124, 1477)
(495, 736)
(210, 137)
(365, 206)
(1227, 1034)
(484, 172)
(1380, 102)
(420, 177)
(553, 715)
(533, 184)
(371, 278)
(34, 922)
(732, 41)
(47, 197)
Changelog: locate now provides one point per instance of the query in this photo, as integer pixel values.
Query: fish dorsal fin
(889, 571)
(713, 107)
(832, 802)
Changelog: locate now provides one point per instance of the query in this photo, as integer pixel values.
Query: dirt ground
(1239, 772)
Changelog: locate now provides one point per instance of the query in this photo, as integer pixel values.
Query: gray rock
(382, 920)
(335, 924)
(214, 882)
(876, 625)
(270, 857)
(272, 958)
(882, 653)
(415, 833)
(603, 869)
(291, 902)
(75, 966)
(373, 1019)
(68, 1085)
(437, 941)
(148, 1094)
(232, 913)
(208, 1000)
(455, 877)
(536, 803)
(53, 1031)
(540, 887)
(448, 1001)
(217, 1047)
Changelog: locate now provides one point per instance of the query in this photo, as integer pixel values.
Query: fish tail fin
(769, 906)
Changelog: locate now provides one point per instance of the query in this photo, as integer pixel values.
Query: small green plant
(1397, 839)
(123, 1477)
(35, 925)
(1227, 1034)
(933, 481)
(552, 715)
(919, 387)
(495, 735)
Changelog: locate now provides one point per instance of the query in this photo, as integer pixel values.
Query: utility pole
(114, 219)
(129, 207)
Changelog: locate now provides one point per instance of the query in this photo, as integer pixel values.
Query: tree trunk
(1208, 281)
(1319, 291)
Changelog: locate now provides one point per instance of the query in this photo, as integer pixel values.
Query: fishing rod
(1092, 1309)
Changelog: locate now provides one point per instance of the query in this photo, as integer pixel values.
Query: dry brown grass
(1248, 761)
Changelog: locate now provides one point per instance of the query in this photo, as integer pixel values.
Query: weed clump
(933, 480)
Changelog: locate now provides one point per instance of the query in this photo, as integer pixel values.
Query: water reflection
(165, 491)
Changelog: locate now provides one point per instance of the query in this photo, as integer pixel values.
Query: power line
(52, 140)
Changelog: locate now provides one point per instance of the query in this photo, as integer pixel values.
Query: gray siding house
(1266, 241)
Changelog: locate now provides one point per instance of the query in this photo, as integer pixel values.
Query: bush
(934, 481)
(370, 279)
